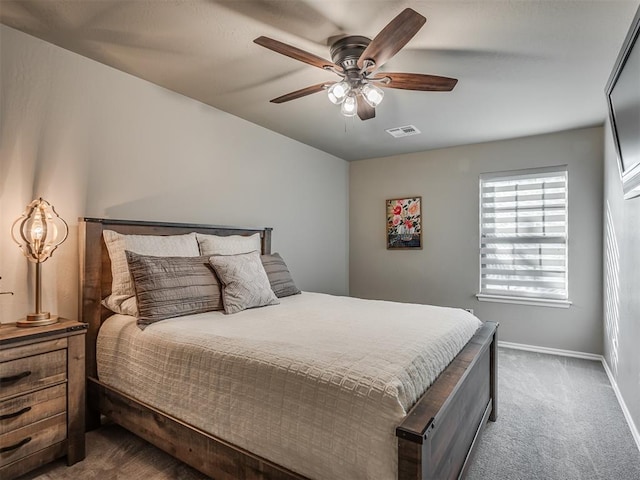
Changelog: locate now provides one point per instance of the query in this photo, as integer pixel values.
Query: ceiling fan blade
(301, 93)
(392, 37)
(365, 111)
(416, 81)
(295, 53)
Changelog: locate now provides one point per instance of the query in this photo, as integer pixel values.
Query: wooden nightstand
(42, 395)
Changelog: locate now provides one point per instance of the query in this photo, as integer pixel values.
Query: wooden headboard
(95, 265)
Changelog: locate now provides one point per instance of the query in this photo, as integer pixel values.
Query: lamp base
(37, 320)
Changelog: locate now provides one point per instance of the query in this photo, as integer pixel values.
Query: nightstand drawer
(32, 407)
(36, 436)
(24, 374)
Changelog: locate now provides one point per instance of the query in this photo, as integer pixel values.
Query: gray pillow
(159, 245)
(244, 281)
(279, 276)
(168, 287)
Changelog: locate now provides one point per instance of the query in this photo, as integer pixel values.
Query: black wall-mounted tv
(623, 98)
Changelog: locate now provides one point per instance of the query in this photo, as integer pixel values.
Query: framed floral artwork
(404, 223)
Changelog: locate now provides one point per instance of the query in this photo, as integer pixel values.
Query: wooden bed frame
(435, 440)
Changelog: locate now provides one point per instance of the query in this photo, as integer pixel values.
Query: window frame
(521, 299)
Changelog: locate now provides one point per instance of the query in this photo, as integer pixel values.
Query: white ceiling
(524, 67)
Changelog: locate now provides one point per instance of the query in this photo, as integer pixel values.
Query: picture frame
(623, 101)
(404, 223)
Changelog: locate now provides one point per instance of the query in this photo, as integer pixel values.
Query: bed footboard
(438, 436)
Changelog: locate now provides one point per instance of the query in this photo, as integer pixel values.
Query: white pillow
(230, 245)
(244, 281)
(122, 287)
(129, 306)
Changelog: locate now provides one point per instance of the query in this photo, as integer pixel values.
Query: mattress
(316, 384)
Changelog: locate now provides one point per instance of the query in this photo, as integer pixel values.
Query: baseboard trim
(550, 351)
(588, 356)
(623, 405)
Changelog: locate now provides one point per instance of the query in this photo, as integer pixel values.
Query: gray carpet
(558, 420)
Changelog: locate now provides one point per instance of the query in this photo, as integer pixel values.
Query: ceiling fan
(356, 59)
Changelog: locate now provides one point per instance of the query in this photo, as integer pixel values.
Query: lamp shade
(338, 91)
(38, 232)
(372, 94)
(349, 106)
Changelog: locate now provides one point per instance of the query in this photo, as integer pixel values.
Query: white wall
(98, 142)
(621, 283)
(445, 271)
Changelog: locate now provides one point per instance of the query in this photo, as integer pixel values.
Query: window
(523, 237)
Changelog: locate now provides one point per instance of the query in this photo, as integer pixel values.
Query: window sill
(483, 297)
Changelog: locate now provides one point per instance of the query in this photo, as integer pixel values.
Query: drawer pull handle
(7, 416)
(22, 442)
(14, 378)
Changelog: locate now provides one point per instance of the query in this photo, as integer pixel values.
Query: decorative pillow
(127, 307)
(168, 287)
(279, 276)
(230, 245)
(161, 246)
(244, 281)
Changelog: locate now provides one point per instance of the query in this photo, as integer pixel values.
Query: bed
(434, 439)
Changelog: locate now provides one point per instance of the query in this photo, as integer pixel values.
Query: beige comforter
(316, 384)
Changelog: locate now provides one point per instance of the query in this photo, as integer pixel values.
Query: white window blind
(523, 234)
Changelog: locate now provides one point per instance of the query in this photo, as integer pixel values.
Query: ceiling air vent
(405, 131)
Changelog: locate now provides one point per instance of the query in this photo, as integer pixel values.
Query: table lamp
(38, 232)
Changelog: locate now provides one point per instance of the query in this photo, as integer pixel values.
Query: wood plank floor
(115, 454)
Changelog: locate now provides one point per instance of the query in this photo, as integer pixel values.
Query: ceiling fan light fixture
(356, 59)
(372, 94)
(338, 92)
(349, 106)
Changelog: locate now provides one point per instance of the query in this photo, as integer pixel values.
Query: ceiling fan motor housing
(346, 51)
